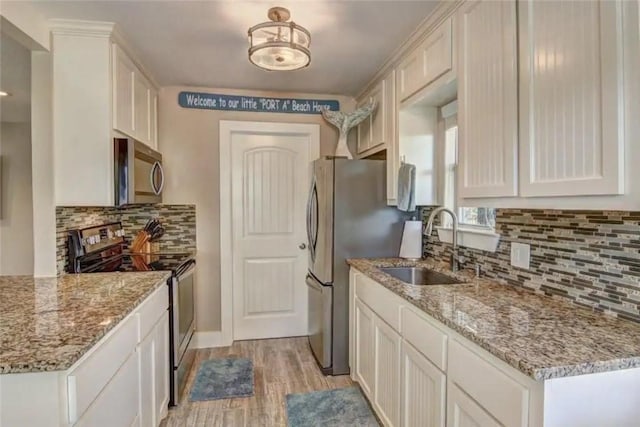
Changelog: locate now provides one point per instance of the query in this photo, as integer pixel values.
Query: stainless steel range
(102, 249)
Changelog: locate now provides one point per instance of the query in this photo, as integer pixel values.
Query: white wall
(44, 205)
(16, 222)
(16, 201)
(25, 24)
(21, 22)
(188, 140)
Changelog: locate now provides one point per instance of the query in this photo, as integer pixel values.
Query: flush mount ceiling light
(279, 45)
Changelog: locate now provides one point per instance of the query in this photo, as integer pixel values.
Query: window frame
(447, 119)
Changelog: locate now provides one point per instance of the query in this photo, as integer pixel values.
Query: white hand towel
(407, 187)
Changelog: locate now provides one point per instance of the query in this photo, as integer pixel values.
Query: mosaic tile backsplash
(179, 222)
(589, 257)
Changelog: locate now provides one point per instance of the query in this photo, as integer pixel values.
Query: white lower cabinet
(153, 361)
(365, 362)
(161, 365)
(424, 389)
(465, 412)
(117, 404)
(387, 372)
(122, 381)
(145, 353)
(417, 372)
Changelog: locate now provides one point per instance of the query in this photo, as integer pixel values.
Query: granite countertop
(48, 324)
(541, 336)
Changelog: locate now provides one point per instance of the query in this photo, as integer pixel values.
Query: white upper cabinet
(153, 120)
(97, 81)
(487, 99)
(142, 108)
(432, 59)
(124, 72)
(364, 130)
(134, 100)
(379, 116)
(376, 131)
(571, 98)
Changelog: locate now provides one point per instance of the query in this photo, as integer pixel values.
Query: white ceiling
(15, 78)
(198, 43)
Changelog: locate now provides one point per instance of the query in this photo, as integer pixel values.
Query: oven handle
(181, 270)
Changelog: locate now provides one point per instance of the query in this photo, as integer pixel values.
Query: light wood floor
(281, 366)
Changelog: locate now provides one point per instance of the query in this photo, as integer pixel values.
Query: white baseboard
(208, 339)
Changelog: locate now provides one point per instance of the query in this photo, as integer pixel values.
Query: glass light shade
(279, 46)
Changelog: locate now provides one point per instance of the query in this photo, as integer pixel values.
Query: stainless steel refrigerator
(347, 217)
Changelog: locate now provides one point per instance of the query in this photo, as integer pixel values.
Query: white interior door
(269, 184)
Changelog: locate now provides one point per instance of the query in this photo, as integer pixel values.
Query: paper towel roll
(411, 246)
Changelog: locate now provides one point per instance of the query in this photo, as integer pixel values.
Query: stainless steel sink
(420, 276)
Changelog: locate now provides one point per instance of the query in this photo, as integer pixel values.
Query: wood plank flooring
(281, 366)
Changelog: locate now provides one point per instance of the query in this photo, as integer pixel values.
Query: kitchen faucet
(455, 260)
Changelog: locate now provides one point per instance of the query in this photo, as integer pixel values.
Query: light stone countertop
(47, 324)
(541, 336)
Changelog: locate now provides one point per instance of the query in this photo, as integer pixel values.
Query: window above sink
(476, 225)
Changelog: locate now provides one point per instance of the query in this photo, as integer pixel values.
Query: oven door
(182, 325)
(183, 313)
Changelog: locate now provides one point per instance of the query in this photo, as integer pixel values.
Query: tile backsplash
(589, 257)
(179, 222)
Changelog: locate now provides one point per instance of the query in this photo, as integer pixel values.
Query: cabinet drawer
(382, 301)
(504, 398)
(117, 405)
(151, 310)
(86, 381)
(425, 337)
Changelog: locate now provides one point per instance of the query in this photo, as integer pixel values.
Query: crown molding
(99, 29)
(443, 11)
(73, 27)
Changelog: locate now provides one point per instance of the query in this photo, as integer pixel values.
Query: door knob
(302, 246)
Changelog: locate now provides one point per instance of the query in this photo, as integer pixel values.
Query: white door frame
(227, 129)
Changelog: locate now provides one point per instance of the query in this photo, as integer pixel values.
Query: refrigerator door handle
(309, 219)
(315, 207)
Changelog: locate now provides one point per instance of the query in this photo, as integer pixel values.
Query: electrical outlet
(520, 254)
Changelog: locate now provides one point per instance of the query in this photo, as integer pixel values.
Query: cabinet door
(379, 116)
(146, 354)
(117, 404)
(153, 119)
(571, 98)
(123, 82)
(142, 108)
(429, 61)
(487, 99)
(437, 53)
(393, 156)
(423, 390)
(462, 411)
(364, 346)
(409, 74)
(387, 373)
(161, 367)
(364, 130)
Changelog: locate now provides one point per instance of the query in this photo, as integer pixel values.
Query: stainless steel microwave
(139, 177)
